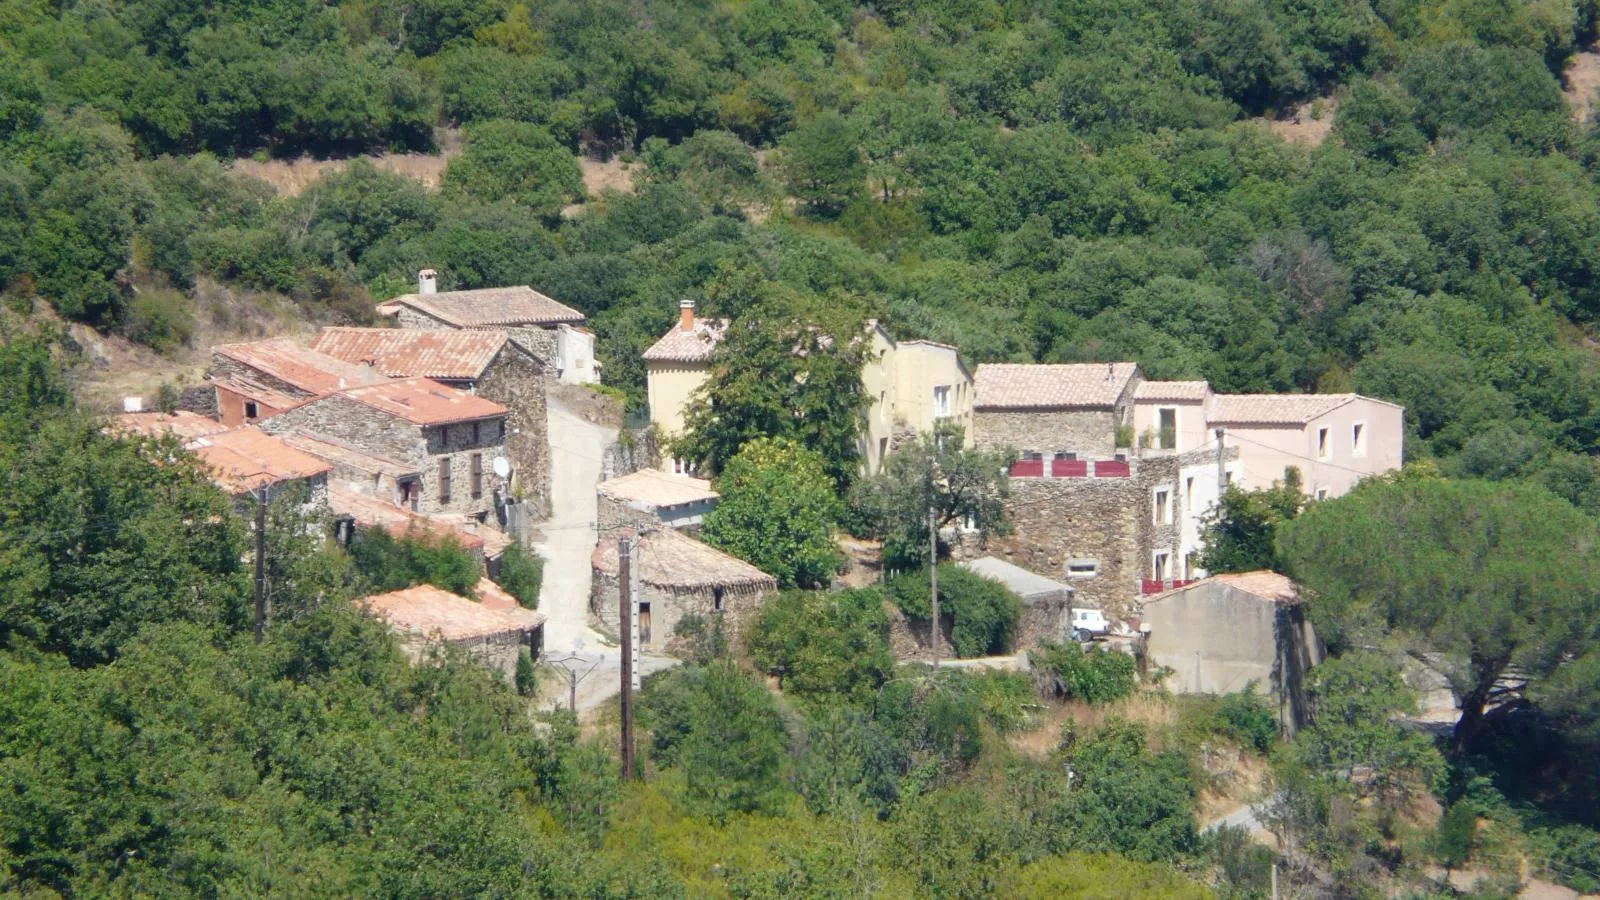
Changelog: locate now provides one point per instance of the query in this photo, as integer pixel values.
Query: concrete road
(576, 446)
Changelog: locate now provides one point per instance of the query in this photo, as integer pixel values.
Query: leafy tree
(522, 574)
(1246, 715)
(1354, 698)
(386, 563)
(1127, 799)
(519, 162)
(824, 647)
(933, 475)
(777, 513)
(1238, 535)
(822, 163)
(1070, 672)
(525, 681)
(1489, 575)
(983, 612)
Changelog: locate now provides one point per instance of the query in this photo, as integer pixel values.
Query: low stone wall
(497, 651)
(635, 449)
(201, 399)
(612, 515)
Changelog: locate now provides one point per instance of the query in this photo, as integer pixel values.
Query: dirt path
(1298, 126)
(1580, 83)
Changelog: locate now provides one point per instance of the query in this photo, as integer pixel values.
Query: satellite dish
(502, 467)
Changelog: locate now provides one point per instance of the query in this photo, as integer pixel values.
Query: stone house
(1220, 634)
(245, 460)
(651, 498)
(678, 575)
(486, 363)
(550, 331)
(452, 439)
(1046, 603)
(427, 617)
(259, 379)
(1049, 411)
(909, 385)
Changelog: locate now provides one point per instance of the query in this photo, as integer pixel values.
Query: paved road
(576, 446)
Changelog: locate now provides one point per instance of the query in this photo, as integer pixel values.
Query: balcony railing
(1156, 585)
(1061, 467)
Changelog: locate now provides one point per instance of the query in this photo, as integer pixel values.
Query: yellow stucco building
(909, 385)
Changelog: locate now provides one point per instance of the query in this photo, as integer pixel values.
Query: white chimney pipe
(427, 282)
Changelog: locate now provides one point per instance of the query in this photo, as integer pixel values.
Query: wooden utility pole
(261, 564)
(1222, 465)
(625, 625)
(933, 569)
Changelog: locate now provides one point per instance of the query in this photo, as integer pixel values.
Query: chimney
(427, 282)
(686, 315)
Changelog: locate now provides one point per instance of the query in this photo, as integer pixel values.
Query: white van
(1088, 624)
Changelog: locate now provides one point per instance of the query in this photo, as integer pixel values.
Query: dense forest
(1049, 181)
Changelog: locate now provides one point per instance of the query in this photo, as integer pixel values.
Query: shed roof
(308, 370)
(517, 305)
(1071, 386)
(432, 611)
(340, 453)
(1262, 583)
(245, 459)
(697, 345)
(183, 423)
(1023, 583)
(653, 488)
(1176, 391)
(407, 352)
(423, 401)
(670, 559)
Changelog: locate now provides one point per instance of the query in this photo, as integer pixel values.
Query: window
(1163, 507)
(1322, 493)
(477, 475)
(1083, 568)
(1167, 427)
(1161, 567)
(1188, 493)
(444, 435)
(1322, 444)
(1227, 478)
(251, 411)
(1358, 439)
(444, 480)
(718, 602)
(941, 401)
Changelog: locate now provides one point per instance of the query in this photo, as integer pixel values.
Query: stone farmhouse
(909, 385)
(428, 617)
(550, 331)
(450, 438)
(1115, 473)
(678, 576)
(257, 380)
(246, 460)
(485, 363)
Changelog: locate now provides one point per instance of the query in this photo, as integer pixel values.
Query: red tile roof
(183, 423)
(423, 401)
(247, 458)
(519, 305)
(407, 352)
(1273, 409)
(308, 370)
(670, 559)
(374, 512)
(1262, 583)
(256, 391)
(1077, 386)
(678, 345)
(1178, 391)
(435, 612)
(495, 597)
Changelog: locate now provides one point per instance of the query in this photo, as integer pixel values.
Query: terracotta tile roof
(652, 488)
(373, 512)
(183, 423)
(519, 305)
(247, 458)
(313, 372)
(670, 559)
(342, 454)
(1273, 409)
(1075, 386)
(256, 391)
(495, 597)
(1267, 585)
(406, 352)
(1179, 391)
(434, 612)
(423, 401)
(678, 345)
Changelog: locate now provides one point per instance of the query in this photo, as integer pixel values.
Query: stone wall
(1085, 432)
(518, 381)
(542, 343)
(497, 651)
(384, 435)
(634, 449)
(227, 367)
(612, 515)
(201, 399)
(669, 604)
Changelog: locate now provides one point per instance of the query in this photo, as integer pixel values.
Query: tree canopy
(777, 513)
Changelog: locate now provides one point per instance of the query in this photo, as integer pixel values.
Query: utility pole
(261, 564)
(933, 574)
(1222, 464)
(625, 625)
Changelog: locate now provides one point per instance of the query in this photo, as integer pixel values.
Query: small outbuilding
(652, 498)
(679, 576)
(1046, 603)
(426, 616)
(1222, 633)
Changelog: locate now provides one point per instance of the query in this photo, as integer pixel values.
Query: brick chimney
(427, 282)
(686, 315)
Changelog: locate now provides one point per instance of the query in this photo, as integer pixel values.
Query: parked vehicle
(1088, 624)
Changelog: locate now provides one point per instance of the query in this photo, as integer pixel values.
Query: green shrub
(386, 563)
(1246, 717)
(833, 645)
(982, 612)
(1069, 672)
(1452, 843)
(526, 683)
(522, 574)
(160, 319)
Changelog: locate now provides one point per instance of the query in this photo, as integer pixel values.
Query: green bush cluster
(521, 574)
(982, 612)
(1070, 672)
(385, 563)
